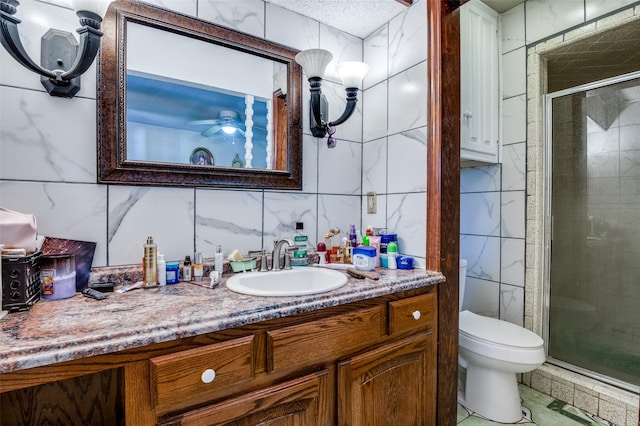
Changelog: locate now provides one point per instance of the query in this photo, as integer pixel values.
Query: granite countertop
(79, 327)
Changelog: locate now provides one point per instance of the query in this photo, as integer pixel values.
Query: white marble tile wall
(480, 213)
(48, 157)
(246, 16)
(512, 22)
(545, 18)
(65, 210)
(513, 76)
(37, 18)
(394, 152)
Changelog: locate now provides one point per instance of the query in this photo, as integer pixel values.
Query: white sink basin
(292, 282)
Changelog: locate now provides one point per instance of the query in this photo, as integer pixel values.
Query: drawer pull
(208, 375)
(416, 315)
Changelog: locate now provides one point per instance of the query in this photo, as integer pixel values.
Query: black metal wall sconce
(62, 60)
(314, 63)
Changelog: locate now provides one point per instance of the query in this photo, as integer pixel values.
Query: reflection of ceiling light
(229, 129)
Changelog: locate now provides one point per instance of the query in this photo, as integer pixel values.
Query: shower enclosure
(592, 230)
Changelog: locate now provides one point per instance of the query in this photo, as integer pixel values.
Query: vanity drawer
(326, 339)
(185, 378)
(412, 314)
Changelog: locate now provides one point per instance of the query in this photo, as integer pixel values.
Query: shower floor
(537, 409)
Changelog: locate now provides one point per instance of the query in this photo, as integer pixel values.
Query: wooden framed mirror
(170, 85)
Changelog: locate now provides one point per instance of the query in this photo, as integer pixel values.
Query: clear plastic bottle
(218, 260)
(162, 270)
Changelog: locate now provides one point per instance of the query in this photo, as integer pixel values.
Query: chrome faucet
(277, 249)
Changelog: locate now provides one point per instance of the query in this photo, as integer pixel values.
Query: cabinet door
(392, 385)
(479, 90)
(306, 401)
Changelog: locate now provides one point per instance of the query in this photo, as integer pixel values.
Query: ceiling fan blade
(199, 122)
(211, 131)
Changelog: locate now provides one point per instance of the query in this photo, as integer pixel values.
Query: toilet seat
(499, 339)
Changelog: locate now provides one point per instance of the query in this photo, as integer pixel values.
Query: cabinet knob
(416, 315)
(467, 115)
(208, 375)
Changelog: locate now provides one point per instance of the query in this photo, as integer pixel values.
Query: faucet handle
(264, 265)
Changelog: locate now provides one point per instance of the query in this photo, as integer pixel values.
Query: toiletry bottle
(336, 249)
(300, 252)
(353, 237)
(322, 253)
(162, 270)
(186, 269)
(348, 252)
(218, 260)
(150, 264)
(392, 255)
(374, 241)
(198, 267)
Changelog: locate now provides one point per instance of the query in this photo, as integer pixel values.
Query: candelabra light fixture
(63, 60)
(314, 63)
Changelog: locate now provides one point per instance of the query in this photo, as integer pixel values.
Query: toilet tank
(462, 280)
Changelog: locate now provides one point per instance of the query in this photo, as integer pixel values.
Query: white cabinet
(479, 89)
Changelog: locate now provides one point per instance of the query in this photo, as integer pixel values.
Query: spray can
(150, 264)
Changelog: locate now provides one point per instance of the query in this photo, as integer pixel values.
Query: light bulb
(352, 73)
(229, 129)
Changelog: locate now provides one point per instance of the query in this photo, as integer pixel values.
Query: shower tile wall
(48, 157)
(614, 202)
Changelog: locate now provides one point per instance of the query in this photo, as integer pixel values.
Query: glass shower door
(593, 255)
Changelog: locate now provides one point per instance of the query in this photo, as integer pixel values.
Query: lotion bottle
(218, 260)
(162, 270)
(150, 264)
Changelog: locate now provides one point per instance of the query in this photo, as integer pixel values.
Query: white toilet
(493, 351)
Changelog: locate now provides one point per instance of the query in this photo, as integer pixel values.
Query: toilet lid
(498, 332)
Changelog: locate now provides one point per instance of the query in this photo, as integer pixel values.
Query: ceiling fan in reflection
(227, 122)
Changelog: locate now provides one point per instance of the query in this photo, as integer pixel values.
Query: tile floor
(537, 409)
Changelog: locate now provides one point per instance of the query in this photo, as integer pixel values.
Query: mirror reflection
(184, 102)
(218, 117)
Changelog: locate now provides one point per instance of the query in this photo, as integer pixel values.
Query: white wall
(48, 150)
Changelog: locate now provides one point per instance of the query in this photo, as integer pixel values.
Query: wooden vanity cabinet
(365, 363)
(393, 382)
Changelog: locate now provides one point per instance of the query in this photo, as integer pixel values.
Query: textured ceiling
(346, 15)
(349, 15)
